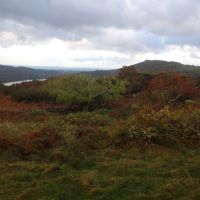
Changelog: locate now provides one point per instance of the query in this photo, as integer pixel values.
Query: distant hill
(154, 67)
(10, 74)
(157, 66)
(99, 73)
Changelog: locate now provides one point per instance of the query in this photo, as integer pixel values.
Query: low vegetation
(135, 136)
(165, 127)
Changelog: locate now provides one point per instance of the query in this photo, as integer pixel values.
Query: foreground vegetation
(135, 136)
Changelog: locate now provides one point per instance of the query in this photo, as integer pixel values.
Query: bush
(135, 81)
(89, 126)
(40, 140)
(85, 90)
(35, 138)
(164, 127)
(31, 95)
(168, 88)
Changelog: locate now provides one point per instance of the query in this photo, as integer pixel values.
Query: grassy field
(152, 173)
(52, 156)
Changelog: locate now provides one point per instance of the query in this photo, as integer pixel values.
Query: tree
(172, 87)
(135, 81)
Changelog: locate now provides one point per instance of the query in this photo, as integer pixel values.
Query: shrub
(27, 139)
(71, 89)
(171, 87)
(84, 90)
(40, 140)
(135, 81)
(164, 127)
(90, 127)
(31, 95)
(109, 88)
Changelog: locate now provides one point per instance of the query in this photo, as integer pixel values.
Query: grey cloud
(140, 25)
(63, 13)
(155, 14)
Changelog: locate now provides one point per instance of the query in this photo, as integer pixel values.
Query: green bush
(85, 90)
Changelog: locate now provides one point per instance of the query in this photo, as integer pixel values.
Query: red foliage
(173, 86)
(40, 140)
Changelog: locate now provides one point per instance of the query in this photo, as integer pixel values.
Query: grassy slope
(99, 172)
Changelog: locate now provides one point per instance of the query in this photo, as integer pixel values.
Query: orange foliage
(170, 87)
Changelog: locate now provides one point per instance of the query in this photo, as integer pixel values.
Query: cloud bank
(98, 33)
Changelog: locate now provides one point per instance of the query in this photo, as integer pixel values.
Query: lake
(19, 82)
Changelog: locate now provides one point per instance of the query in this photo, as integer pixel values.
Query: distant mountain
(10, 74)
(154, 67)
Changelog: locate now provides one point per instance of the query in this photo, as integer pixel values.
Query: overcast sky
(98, 33)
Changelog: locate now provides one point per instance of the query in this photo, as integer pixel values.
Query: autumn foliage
(79, 137)
(172, 87)
(135, 81)
(143, 114)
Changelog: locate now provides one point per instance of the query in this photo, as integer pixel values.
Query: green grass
(113, 175)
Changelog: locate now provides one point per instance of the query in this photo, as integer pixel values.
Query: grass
(130, 175)
(71, 157)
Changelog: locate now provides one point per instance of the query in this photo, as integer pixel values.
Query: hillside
(157, 66)
(154, 67)
(10, 74)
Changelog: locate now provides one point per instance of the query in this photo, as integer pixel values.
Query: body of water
(19, 82)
